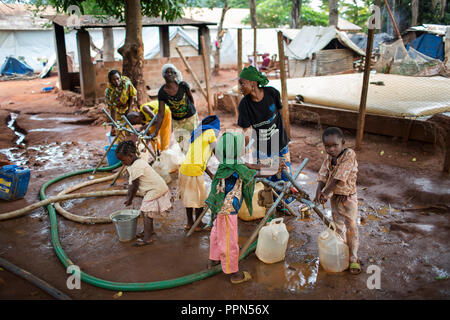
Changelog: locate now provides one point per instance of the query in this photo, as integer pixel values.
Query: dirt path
(404, 224)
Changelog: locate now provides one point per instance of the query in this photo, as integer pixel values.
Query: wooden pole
(284, 95)
(446, 167)
(254, 48)
(197, 222)
(239, 57)
(205, 54)
(393, 20)
(365, 87)
(194, 76)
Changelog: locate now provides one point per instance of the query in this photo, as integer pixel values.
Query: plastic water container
(172, 157)
(13, 182)
(161, 168)
(125, 221)
(272, 241)
(110, 138)
(258, 211)
(111, 155)
(333, 252)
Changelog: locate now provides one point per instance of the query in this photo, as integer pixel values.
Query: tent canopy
(173, 32)
(13, 66)
(361, 40)
(312, 39)
(430, 45)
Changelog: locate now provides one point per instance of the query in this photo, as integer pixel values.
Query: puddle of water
(425, 227)
(50, 156)
(440, 272)
(293, 276)
(57, 129)
(61, 119)
(294, 243)
(11, 122)
(383, 210)
(430, 186)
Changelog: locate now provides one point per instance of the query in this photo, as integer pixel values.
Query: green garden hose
(118, 286)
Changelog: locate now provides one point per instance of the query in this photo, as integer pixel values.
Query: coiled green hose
(118, 286)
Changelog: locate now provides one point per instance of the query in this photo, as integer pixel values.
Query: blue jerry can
(13, 182)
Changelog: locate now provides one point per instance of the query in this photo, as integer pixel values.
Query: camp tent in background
(430, 45)
(360, 39)
(12, 66)
(177, 38)
(317, 51)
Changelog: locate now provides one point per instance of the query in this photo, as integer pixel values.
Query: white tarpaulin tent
(37, 44)
(312, 39)
(185, 39)
(266, 42)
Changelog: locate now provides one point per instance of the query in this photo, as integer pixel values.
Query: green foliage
(239, 4)
(428, 15)
(276, 13)
(168, 9)
(356, 13)
(310, 17)
(272, 13)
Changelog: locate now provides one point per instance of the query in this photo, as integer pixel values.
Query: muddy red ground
(404, 224)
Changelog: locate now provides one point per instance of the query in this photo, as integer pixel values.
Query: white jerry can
(333, 252)
(272, 241)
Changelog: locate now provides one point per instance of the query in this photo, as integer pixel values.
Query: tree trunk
(443, 6)
(133, 50)
(296, 11)
(219, 39)
(434, 3)
(333, 12)
(253, 20)
(414, 12)
(108, 44)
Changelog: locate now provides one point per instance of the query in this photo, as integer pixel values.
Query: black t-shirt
(180, 105)
(265, 117)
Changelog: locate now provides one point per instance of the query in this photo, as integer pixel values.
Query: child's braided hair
(332, 131)
(126, 148)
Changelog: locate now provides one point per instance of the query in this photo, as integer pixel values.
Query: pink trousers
(223, 242)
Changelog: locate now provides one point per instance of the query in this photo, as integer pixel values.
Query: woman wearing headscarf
(120, 95)
(259, 109)
(177, 95)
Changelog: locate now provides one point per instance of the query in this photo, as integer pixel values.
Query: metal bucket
(125, 221)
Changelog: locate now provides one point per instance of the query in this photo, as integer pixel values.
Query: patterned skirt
(154, 207)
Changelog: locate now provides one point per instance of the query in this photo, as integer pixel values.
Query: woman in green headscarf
(260, 110)
(232, 183)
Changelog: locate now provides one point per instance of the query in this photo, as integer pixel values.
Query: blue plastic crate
(13, 182)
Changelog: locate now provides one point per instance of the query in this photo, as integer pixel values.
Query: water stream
(11, 125)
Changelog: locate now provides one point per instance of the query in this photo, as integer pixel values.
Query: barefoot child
(142, 177)
(191, 185)
(232, 182)
(337, 179)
